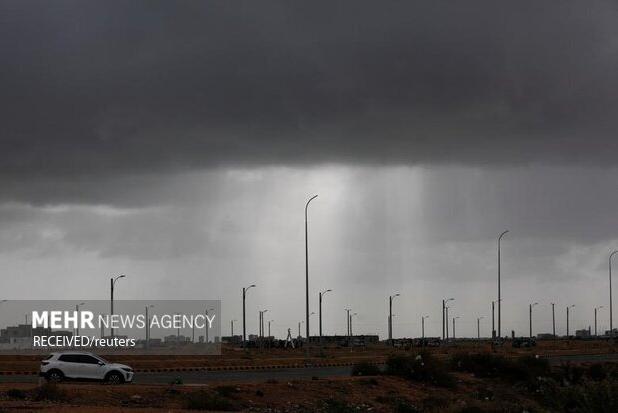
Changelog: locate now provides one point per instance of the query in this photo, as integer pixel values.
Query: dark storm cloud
(101, 89)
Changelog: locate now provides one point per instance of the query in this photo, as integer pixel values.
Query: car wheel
(54, 376)
(114, 378)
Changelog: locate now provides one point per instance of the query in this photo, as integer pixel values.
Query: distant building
(544, 336)
(584, 332)
(231, 339)
(175, 339)
(22, 331)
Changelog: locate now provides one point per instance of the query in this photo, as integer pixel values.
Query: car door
(89, 367)
(69, 365)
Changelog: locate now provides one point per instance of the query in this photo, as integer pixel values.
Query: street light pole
(446, 309)
(454, 318)
(493, 324)
(352, 315)
(261, 333)
(390, 317)
(423, 325)
(322, 293)
(307, 267)
(148, 326)
(232, 328)
(531, 305)
(445, 318)
(207, 325)
(244, 315)
(611, 309)
(299, 323)
(112, 282)
(499, 289)
(478, 327)
(347, 320)
(553, 318)
(595, 319)
(269, 321)
(568, 307)
(76, 310)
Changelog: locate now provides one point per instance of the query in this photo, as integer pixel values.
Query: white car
(83, 366)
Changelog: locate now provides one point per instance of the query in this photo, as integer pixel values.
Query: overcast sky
(177, 142)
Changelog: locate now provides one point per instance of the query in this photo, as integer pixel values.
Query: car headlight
(128, 369)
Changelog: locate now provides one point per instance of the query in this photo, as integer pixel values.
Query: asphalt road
(584, 358)
(204, 377)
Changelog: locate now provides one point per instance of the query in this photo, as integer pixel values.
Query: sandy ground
(377, 394)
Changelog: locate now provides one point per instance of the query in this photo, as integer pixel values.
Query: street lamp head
(449, 299)
(310, 199)
(533, 304)
(503, 233)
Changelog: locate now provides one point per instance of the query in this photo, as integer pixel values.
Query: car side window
(69, 358)
(86, 359)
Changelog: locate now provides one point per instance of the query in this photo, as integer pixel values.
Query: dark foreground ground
(408, 382)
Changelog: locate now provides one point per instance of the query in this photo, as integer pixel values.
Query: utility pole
(454, 318)
(423, 325)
